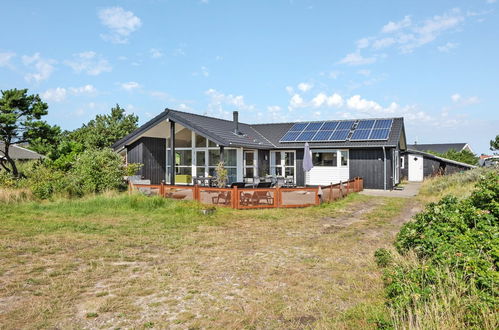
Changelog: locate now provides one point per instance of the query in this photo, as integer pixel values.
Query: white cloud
(363, 43)
(121, 24)
(204, 71)
(406, 36)
(357, 103)
(431, 28)
(459, 100)
(43, 67)
(221, 104)
(455, 97)
(296, 101)
(357, 59)
(321, 99)
(447, 47)
(55, 94)
(155, 53)
(304, 87)
(383, 43)
(5, 59)
(88, 62)
(491, 1)
(273, 108)
(131, 85)
(364, 72)
(86, 89)
(290, 90)
(392, 27)
(59, 94)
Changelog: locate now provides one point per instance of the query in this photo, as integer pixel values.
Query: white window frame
(402, 162)
(283, 165)
(338, 156)
(255, 163)
(194, 151)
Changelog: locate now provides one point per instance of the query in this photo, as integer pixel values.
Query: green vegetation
(444, 273)
(130, 261)
(20, 122)
(78, 162)
(463, 156)
(494, 144)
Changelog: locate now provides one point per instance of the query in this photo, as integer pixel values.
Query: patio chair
(259, 196)
(224, 197)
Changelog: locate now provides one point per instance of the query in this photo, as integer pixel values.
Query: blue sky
(433, 62)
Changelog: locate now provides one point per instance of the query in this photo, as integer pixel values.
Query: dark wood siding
(151, 153)
(368, 164)
(300, 174)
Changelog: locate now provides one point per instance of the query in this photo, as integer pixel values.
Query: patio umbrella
(307, 158)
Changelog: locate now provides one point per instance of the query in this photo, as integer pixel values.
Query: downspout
(384, 168)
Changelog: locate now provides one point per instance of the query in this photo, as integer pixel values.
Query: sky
(435, 63)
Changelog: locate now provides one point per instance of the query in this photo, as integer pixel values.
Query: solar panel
(290, 136)
(379, 134)
(383, 123)
(322, 136)
(313, 126)
(339, 135)
(298, 127)
(329, 126)
(365, 124)
(306, 136)
(361, 134)
(345, 125)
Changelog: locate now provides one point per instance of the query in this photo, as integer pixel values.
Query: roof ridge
(327, 120)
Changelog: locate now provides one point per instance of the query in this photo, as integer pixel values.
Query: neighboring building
(417, 165)
(342, 149)
(17, 152)
(440, 148)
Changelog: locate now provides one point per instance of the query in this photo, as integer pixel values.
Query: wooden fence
(252, 198)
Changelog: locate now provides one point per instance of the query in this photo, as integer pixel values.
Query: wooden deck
(252, 198)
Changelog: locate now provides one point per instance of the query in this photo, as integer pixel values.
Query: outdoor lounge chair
(224, 197)
(262, 196)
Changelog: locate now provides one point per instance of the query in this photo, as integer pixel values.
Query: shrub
(95, 171)
(456, 246)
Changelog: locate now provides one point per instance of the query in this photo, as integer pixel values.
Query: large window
(250, 168)
(330, 158)
(183, 138)
(325, 158)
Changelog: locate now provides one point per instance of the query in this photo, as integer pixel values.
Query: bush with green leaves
(454, 241)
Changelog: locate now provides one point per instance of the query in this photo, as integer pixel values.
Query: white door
(415, 167)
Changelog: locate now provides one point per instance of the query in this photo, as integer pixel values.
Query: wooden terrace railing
(253, 198)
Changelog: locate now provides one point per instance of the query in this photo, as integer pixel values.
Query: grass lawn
(138, 262)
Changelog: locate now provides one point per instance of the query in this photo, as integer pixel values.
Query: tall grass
(11, 195)
(459, 184)
(447, 307)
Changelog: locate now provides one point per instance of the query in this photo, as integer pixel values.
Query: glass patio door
(250, 167)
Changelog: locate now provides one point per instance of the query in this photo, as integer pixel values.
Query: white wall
(325, 175)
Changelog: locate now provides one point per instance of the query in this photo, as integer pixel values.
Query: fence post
(195, 193)
(348, 187)
(277, 197)
(317, 199)
(235, 198)
(130, 187)
(330, 192)
(162, 189)
(341, 189)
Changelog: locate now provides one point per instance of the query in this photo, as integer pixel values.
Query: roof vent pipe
(235, 116)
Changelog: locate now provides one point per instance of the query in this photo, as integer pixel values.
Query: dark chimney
(235, 116)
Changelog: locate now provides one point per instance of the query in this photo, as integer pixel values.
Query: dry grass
(9, 196)
(137, 262)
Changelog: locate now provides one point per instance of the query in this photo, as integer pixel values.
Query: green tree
(20, 122)
(494, 144)
(105, 130)
(463, 156)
